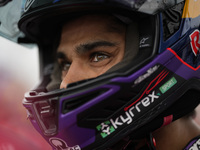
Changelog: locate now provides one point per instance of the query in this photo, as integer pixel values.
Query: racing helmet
(158, 85)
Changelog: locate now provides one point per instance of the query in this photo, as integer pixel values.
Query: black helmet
(157, 86)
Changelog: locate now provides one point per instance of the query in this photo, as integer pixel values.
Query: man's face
(89, 46)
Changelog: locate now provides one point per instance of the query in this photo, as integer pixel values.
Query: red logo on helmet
(195, 43)
(150, 87)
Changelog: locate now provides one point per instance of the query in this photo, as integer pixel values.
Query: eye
(97, 57)
(65, 66)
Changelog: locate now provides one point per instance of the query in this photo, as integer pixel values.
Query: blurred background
(19, 72)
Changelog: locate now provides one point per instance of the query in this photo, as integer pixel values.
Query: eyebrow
(83, 48)
(60, 55)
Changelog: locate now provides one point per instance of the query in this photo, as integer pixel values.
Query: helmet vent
(71, 104)
(108, 110)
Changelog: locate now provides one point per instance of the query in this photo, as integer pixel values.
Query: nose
(75, 73)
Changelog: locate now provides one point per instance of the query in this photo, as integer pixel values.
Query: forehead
(89, 28)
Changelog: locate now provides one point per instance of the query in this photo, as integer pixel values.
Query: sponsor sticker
(59, 144)
(149, 72)
(108, 127)
(195, 42)
(145, 42)
(170, 83)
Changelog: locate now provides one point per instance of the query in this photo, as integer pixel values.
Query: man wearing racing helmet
(125, 69)
(98, 46)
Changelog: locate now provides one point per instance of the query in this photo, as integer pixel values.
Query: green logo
(105, 128)
(165, 87)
